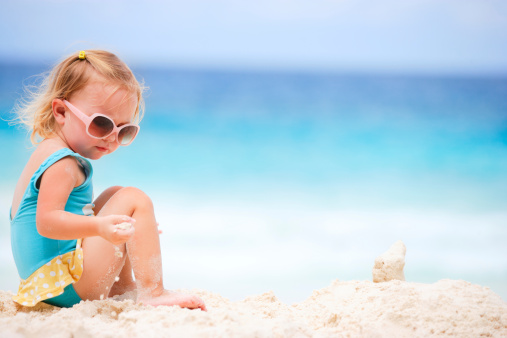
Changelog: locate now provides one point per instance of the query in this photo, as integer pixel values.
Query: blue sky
(452, 36)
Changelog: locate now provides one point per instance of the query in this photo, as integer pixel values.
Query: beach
(386, 308)
(285, 146)
(343, 309)
(293, 180)
(275, 192)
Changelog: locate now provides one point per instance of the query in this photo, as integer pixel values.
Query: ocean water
(286, 181)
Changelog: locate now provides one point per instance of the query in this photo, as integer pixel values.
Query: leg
(100, 262)
(126, 282)
(143, 249)
(104, 197)
(100, 268)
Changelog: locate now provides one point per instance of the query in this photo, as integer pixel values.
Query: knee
(104, 197)
(112, 190)
(137, 197)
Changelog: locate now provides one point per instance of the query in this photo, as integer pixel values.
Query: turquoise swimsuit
(48, 267)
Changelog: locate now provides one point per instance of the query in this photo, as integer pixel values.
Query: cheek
(77, 131)
(81, 140)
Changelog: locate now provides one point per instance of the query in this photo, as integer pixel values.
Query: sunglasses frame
(87, 120)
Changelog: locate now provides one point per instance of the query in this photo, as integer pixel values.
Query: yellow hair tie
(82, 55)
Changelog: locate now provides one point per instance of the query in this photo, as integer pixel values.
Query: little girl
(66, 247)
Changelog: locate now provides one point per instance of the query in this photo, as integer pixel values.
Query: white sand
(390, 264)
(354, 308)
(343, 309)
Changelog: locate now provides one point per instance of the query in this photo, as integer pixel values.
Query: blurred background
(289, 143)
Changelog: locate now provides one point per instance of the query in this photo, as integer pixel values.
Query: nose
(111, 138)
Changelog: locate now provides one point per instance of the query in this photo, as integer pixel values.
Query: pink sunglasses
(100, 126)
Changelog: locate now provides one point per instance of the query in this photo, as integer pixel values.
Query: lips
(102, 149)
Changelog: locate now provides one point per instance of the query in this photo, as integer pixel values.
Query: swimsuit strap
(55, 157)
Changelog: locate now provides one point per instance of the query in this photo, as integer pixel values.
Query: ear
(59, 111)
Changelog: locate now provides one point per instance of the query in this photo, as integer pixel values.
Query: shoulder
(44, 150)
(56, 161)
(64, 172)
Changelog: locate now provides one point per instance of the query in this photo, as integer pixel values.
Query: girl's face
(95, 97)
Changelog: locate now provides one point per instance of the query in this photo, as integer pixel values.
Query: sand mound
(343, 309)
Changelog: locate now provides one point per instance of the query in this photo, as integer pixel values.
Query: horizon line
(287, 69)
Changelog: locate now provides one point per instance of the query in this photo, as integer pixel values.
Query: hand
(109, 231)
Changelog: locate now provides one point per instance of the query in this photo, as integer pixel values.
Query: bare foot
(170, 298)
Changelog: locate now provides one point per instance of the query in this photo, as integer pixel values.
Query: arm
(54, 222)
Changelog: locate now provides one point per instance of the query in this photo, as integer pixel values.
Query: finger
(125, 235)
(124, 230)
(125, 225)
(125, 218)
(130, 232)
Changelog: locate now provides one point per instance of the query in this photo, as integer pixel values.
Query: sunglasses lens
(101, 126)
(127, 134)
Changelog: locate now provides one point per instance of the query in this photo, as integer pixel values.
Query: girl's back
(41, 153)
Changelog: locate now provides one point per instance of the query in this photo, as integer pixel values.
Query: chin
(92, 155)
(97, 155)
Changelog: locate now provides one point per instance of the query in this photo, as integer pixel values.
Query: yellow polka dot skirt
(49, 280)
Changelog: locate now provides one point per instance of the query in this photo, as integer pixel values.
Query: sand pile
(350, 308)
(390, 264)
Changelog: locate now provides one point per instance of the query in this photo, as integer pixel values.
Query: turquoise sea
(286, 181)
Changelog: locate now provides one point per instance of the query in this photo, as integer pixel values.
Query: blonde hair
(67, 77)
